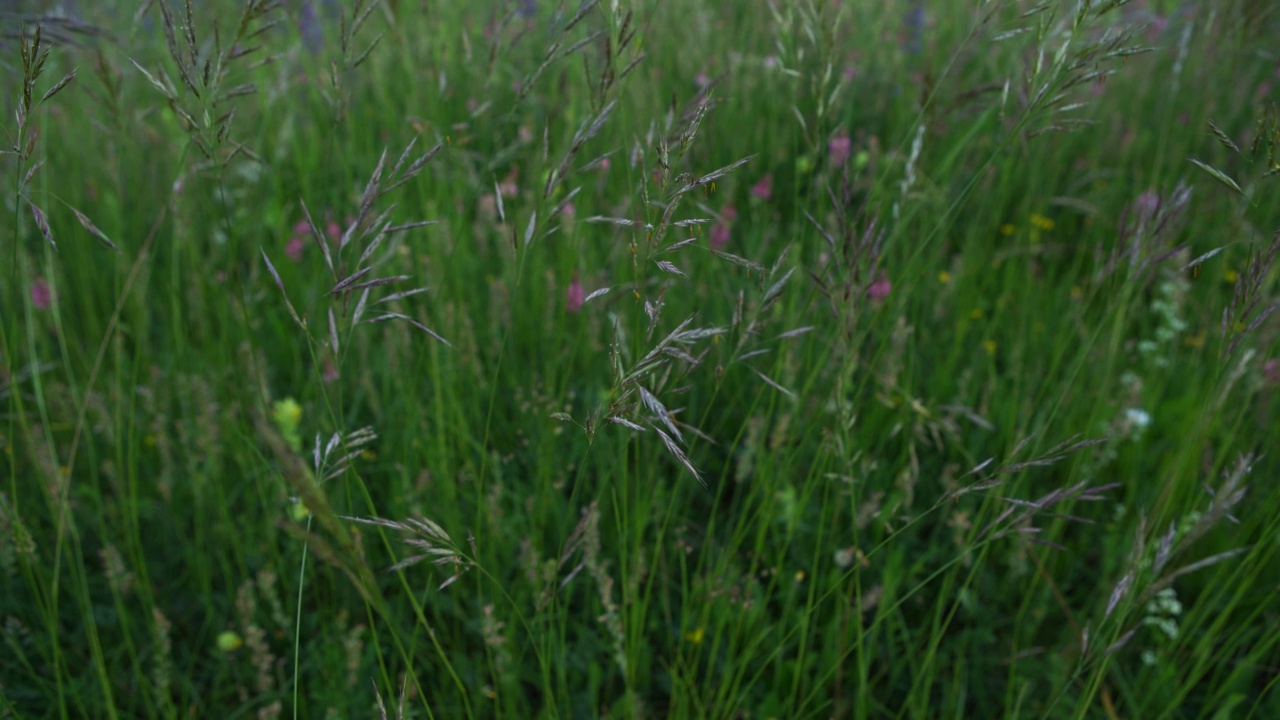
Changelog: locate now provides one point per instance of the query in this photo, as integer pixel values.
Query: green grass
(973, 435)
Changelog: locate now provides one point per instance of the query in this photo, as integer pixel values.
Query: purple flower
(295, 247)
(879, 290)
(576, 295)
(41, 295)
(719, 235)
(839, 149)
(914, 22)
(1147, 205)
(1271, 371)
(764, 188)
(309, 28)
(720, 231)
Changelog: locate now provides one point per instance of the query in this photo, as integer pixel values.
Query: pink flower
(508, 188)
(879, 290)
(719, 235)
(295, 247)
(1271, 371)
(720, 231)
(701, 79)
(41, 295)
(764, 188)
(839, 148)
(604, 164)
(1147, 205)
(576, 295)
(333, 229)
(302, 227)
(568, 210)
(330, 372)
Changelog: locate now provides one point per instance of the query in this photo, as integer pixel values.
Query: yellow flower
(1077, 292)
(799, 576)
(1231, 276)
(229, 641)
(1196, 340)
(298, 511)
(695, 636)
(1008, 229)
(989, 346)
(1041, 222)
(975, 314)
(944, 277)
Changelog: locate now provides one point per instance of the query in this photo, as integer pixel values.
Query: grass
(641, 359)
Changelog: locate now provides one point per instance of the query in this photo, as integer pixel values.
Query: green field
(641, 359)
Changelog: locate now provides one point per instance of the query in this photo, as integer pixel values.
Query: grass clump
(640, 359)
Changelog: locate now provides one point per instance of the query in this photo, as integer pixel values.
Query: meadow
(640, 359)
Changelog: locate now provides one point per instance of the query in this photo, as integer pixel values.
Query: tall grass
(641, 359)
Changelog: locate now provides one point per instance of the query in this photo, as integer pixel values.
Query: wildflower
(1146, 206)
(989, 346)
(879, 290)
(1136, 420)
(771, 62)
(839, 148)
(720, 231)
(286, 414)
(1008, 229)
(702, 79)
(330, 371)
(944, 277)
(309, 28)
(576, 295)
(975, 314)
(764, 188)
(1230, 277)
(333, 230)
(568, 210)
(1041, 222)
(799, 576)
(844, 557)
(41, 295)
(1271, 371)
(695, 636)
(298, 242)
(508, 188)
(229, 641)
(294, 248)
(719, 235)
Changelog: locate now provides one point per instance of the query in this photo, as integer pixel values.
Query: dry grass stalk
(35, 53)
(343, 552)
(431, 542)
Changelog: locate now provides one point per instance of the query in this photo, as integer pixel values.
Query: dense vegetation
(682, 359)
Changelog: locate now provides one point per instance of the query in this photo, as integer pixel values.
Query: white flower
(1137, 418)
